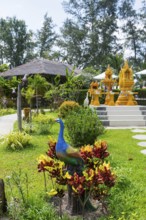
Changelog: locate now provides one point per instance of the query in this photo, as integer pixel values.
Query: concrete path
(6, 123)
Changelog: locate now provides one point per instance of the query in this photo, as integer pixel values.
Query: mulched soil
(94, 215)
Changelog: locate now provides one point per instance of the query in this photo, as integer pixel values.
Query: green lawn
(129, 195)
(127, 200)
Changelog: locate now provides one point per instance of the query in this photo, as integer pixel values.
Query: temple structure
(109, 82)
(126, 83)
(94, 92)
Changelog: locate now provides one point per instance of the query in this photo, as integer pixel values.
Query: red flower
(76, 182)
(100, 150)
(44, 162)
(51, 152)
(86, 153)
(105, 174)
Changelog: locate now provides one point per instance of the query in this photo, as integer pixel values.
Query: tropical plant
(40, 85)
(3, 67)
(83, 127)
(53, 95)
(28, 94)
(95, 180)
(17, 140)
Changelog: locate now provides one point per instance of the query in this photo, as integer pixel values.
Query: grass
(128, 197)
(127, 200)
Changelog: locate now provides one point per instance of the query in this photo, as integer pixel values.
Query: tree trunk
(3, 201)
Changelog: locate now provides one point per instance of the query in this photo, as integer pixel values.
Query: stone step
(119, 107)
(122, 117)
(123, 123)
(143, 112)
(120, 112)
(101, 112)
(116, 116)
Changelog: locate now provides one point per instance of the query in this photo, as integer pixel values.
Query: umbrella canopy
(102, 76)
(42, 66)
(143, 72)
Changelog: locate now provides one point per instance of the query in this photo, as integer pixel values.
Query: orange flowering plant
(96, 178)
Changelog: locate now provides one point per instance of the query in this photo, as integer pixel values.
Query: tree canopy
(95, 34)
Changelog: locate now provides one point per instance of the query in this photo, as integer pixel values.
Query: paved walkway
(6, 123)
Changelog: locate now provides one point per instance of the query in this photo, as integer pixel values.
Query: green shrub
(66, 107)
(17, 140)
(141, 96)
(29, 127)
(44, 123)
(7, 111)
(83, 127)
(141, 92)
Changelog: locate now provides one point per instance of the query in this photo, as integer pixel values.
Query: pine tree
(131, 29)
(89, 35)
(143, 34)
(46, 37)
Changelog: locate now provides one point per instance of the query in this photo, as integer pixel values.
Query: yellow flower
(87, 148)
(107, 165)
(52, 139)
(52, 192)
(97, 144)
(67, 175)
(49, 168)
(88, 174)
(74, 189)
(44, 158)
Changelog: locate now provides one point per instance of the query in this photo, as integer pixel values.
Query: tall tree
(72, 43)
(46, 37)
(143, 34)
(89, 35)
(15, 41)
(131, 29)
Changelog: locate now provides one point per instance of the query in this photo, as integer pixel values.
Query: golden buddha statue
(126, 83)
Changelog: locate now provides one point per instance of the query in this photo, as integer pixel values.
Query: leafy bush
(83, 127)
(141, 95)
(66, 107)
(7, 111)
(44, 123)
(17, 140)
(29, 127)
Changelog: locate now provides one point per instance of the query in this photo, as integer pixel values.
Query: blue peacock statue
(64, 151)
(75, 163)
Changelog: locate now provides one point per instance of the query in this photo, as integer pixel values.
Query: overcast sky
(33, 11)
